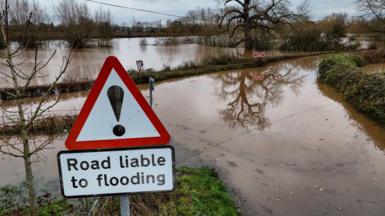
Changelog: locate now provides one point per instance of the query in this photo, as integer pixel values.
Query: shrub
(263, 41)
(377, 56)
(365, 91)
(372, 45)
(340, 60)
(305, 40)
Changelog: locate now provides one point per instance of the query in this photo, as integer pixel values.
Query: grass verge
(199, 191)
(365, 91)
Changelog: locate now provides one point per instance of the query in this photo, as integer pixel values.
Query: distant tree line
(327, 34)
(76, 21)
(267, 24)
(253, 24)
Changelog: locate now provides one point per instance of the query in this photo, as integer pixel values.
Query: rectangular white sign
(117, 171)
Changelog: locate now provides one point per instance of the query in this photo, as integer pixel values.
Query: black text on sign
(108, 172)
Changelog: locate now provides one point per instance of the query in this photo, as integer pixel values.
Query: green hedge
(366, 91)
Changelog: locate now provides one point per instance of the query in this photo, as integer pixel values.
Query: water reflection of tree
(249, 93)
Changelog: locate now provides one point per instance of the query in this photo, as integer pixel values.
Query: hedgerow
(366, 91)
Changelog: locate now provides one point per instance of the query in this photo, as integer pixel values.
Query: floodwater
(283, 143)
(86, 63)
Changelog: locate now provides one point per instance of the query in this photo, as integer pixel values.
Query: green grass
(199, 191)
(13, 202)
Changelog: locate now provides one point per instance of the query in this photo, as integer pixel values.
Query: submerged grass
(47, 126)
(366, 91)
(199, 191)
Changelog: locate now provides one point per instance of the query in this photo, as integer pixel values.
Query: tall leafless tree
(76, 21)
(20, 75)
(374, 9)
(104, 29)
(251, 16)
(22, 11)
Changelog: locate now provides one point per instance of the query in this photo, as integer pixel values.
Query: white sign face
(102, 119)
(110, 172)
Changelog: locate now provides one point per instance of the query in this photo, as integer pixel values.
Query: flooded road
(284, 144)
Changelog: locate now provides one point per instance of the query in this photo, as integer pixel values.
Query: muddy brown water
(282, 143)
(86, 63)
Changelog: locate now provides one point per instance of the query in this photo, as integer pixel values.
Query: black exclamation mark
(116, 95)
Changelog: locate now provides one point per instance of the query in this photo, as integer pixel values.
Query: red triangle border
(113, 63)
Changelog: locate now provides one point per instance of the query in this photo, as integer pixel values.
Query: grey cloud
(320, 8)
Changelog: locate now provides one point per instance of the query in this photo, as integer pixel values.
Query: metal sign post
(151, 83)
(125, 205)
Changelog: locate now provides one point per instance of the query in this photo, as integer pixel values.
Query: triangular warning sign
(115, 114)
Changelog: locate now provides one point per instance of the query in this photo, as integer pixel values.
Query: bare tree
(374, 9)
(334, 27)
(76, 21)
(23, 11)
(251, 16)
(103, 27)
(25, 146)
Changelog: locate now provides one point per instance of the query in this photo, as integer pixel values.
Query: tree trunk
(27, 158)
(248, 39)
(29, 178)
(247, 28)
(21, 114)
(24, 137)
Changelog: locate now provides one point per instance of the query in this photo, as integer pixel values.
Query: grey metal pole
(150, 97)
(125, 205)
(152, 88)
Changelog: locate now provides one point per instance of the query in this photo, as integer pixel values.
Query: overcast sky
(319, 8)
